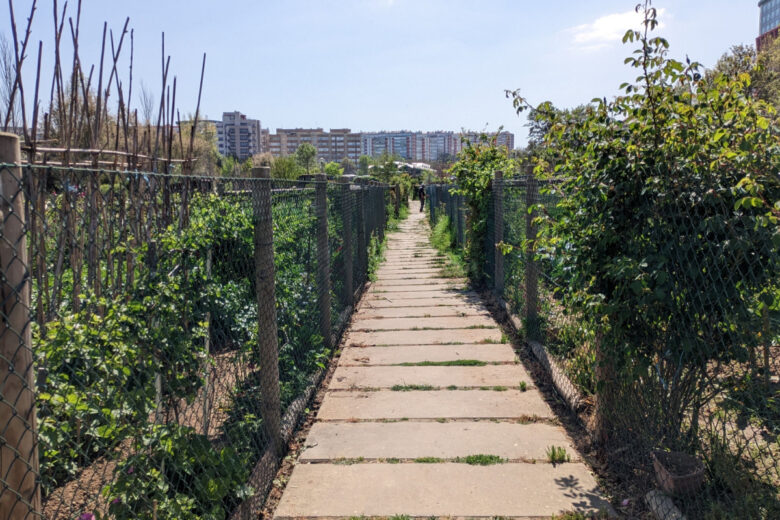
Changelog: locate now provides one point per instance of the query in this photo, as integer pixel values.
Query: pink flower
(117, 501)
(87, 516)
(130, 470)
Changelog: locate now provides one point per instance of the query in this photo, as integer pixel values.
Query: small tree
(474, 170)
(286, 168)
(348, 166)
(263, 159)
(306, 155)
(333, 169)
(363, 163)
(385, 168)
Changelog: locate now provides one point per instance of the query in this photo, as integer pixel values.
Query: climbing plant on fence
(667, 230)
(145, 330)
(473, 174)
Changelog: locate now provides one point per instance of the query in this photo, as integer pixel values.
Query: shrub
(668, 230)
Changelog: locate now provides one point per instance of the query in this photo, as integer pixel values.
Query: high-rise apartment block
(769, 22)
(331, 146)
(425, 146)
(241, 137)
(238, 136)
(506, 139)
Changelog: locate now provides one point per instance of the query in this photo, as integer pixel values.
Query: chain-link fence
(164, 333)
(689, 419)
(442, 201)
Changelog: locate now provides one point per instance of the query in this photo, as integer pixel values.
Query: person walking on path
(421, 194)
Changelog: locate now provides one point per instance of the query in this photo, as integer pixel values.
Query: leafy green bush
(474, 170)
(97, 390)
(175, 473)
(98, 395)
(668, 231)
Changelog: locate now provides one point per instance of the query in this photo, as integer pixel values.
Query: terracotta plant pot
(678, 473)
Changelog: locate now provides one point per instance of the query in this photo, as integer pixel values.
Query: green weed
(409, 388)
(557, 455)
(428, 460)
(481, 460)
(453, 363)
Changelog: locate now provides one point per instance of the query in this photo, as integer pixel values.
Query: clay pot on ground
(678, 473)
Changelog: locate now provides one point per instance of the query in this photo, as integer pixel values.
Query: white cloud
(608, 30)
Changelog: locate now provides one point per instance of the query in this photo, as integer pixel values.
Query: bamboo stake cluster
(90, 119)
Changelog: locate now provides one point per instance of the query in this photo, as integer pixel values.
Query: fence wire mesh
(442, 201)
(693, 413)
(689, 423)
(175, 326)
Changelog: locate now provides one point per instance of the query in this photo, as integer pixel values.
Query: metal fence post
(531, 268)
(362, 244)
(323, 256)
(498, 231)
(20, 495)
(346, 220)
(265, 285)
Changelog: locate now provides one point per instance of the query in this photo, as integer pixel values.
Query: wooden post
(381, 215)
(267, 334)
(207, 384)
(397, 193)
(207, 348)
(531, 268)
(370, 213)
(346, 248)
(451, 207)
(430, 191)
(362, 242)
(498, 232)
(20, 495)
(767, 345)
(323, 256)
(461, 223)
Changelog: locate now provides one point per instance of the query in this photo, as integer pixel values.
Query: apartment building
(424, 146)
(403, 144)
(331, 146)
(769, 23)
(506, 139)
(338, 143)
(238, 136)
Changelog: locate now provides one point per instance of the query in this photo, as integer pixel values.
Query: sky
(373, 65)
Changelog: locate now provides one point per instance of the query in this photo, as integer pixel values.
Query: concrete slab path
(427, 391)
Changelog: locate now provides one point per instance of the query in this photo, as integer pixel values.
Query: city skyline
(241, 136)
(391, 64)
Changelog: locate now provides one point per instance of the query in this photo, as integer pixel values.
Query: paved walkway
(423, 383)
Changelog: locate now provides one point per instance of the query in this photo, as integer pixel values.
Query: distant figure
(421, 194)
